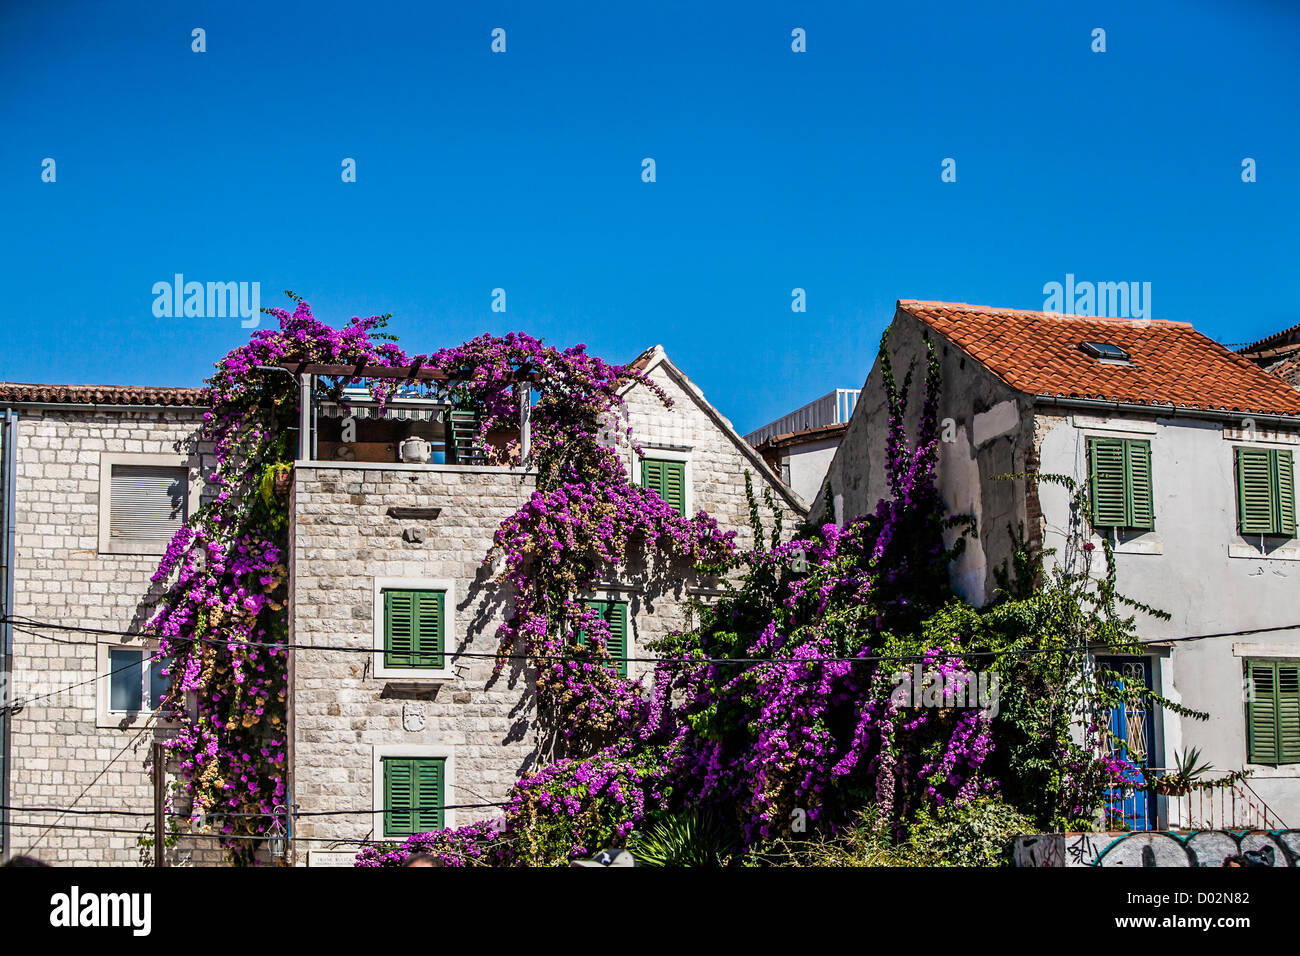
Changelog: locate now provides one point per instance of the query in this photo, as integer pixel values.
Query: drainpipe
(8, 470)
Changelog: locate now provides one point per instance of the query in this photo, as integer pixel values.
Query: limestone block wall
(63, 755)
(344, 540)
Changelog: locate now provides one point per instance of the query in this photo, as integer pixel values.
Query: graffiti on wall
(1161, 848)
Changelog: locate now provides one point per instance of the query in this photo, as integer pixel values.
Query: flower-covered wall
(343, 541)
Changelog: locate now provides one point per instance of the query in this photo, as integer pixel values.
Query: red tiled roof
(18, 393)
(1277, 338)
(1171, 363)
(804, 435)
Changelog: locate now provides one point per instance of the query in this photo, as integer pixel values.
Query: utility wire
(875, 658)
(217, 814)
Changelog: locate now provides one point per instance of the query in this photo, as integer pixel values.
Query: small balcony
(416, 424)
(835, 408)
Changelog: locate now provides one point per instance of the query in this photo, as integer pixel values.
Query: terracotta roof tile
(1277, 338)
(816, 433)
(1170, 362)
(18, 393)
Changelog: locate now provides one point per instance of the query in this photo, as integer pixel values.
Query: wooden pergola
(308, 372)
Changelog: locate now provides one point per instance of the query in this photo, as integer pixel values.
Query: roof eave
(1172, 411)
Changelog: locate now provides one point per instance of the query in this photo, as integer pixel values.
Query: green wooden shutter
(1288, 713)
(413, 629)
(413, 795)
(1261, 712)
(399, 627)
(1255, 512)
(427, 814)
(1106, 460)
(428, 644)
(652, 475)
(1141, 513)
(675, 485)
(613, 613)
(668, 479)
(398, 774)
(1285, 472)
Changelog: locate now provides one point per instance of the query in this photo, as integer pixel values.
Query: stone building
(95, 480)
(98, 478)
(378, 543)
(799, 446)
(1278, 354)
(1189, 450)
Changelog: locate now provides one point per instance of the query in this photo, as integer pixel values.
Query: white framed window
(143, 500)
(431, 772)
(676, 455)
(414, 627)
(131, 682)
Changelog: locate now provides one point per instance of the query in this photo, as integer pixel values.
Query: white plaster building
(800, 446)
(1190, 451)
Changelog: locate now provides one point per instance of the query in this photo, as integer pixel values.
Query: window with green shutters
(1273, 712)
(413, 629)
(1265, 491)
(1119, 476)
(613, 613)
(668, 478)
(413, 794)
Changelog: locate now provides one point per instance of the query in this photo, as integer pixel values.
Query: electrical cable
(876, 658)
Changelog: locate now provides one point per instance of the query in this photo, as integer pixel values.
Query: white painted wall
(1195, 566)
(807, 465)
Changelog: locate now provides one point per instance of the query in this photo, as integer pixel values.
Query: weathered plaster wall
(808, 465)
(987, 436)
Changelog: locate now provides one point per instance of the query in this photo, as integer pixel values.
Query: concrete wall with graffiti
(1161, 848)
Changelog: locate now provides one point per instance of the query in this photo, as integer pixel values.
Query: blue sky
(522, 171)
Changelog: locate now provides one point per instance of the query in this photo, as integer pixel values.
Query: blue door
(1134, 730)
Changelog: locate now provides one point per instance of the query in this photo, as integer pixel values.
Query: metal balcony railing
(1229, 806)
(834, 408)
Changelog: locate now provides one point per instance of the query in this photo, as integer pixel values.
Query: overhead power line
(680, 661)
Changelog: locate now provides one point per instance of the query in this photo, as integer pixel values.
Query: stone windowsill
(1146, 544)
(1252, 553)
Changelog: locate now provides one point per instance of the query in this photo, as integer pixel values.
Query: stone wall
(63, 754)
(343, 541)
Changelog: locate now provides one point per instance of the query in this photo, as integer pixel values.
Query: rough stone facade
(67, 753)
(64, 753)
(343, 542)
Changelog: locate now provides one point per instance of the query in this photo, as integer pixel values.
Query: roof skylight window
(1104, 351)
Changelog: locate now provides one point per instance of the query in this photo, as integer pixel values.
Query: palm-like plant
(696, 839)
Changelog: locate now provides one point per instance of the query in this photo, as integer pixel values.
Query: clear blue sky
(775, 170)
